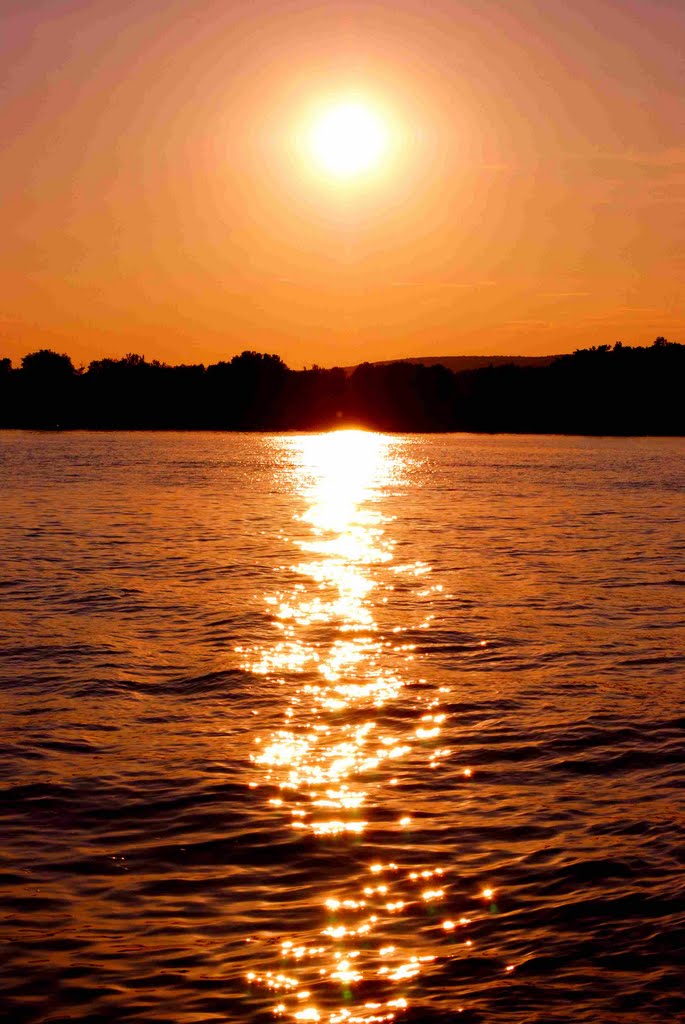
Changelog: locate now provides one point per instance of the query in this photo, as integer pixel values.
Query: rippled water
(341, 728)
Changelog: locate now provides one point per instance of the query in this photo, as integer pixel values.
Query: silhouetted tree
(47, 390)
(48, 365)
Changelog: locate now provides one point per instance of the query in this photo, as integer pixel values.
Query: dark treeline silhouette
(601, 390)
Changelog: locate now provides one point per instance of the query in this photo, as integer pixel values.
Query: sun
(348, 139)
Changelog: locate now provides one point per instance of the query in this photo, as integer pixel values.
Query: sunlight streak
(341, 667)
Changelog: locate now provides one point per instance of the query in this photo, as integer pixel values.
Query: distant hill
(458, 363)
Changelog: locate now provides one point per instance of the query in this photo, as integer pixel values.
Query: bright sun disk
(348, 139)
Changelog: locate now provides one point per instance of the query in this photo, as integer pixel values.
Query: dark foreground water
(341, 728)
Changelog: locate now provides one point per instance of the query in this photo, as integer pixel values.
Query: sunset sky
(161, 195)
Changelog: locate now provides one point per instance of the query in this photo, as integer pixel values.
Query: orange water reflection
(337, 668)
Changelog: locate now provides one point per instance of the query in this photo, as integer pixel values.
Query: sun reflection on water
(340, 666)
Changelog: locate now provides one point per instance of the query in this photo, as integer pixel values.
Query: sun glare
(348, 139)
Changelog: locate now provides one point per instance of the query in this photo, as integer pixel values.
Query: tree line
(600, 390)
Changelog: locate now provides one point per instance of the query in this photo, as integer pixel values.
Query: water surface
(341, 727)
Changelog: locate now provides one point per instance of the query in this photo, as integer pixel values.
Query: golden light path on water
(333, 758)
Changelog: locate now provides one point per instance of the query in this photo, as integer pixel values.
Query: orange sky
(155, 200)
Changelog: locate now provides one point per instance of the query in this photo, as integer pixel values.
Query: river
(341, 727)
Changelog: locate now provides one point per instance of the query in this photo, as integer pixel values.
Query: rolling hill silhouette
(458, 363)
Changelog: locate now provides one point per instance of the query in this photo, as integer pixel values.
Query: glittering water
(341, 728)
